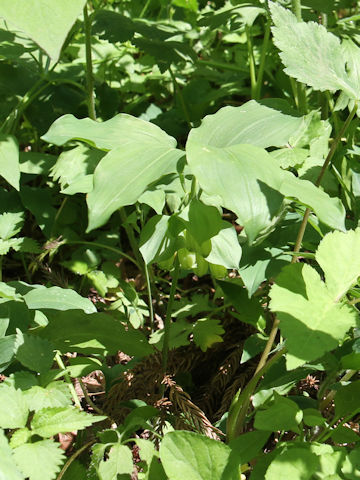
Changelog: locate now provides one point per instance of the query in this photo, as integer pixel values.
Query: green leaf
(338, 257)
(31, 17)
(52, 420)
(251, 123)
(248, 445)
(294, 463)
(56, 298)
(251, 184)
(194, 457)
(36, 163)
(39, 202)
(9, 156)
(39, 460)
(351, 465)
(10, 224)
(118, 462)
(14, 411)
(253, 345)
(140, 164)
(310, 320)
(74, 168)
(7, 350)
(207, 331)
(316, 58)
(313, 417)
(283, 414)
(75, 331)
(225, 248)
(8, 469)
(81, 366)
(19, 437)
(33, 352)
(347, 399)
(56, 394)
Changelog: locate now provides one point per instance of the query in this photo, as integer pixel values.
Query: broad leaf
(14, 411)
(347, 399)
(248, 445)
(50, 421)
(283, 414)
(194, 457)
(33, 352)
(315, 58)
(7, 350)
(10, 224)
(9, 156)
(56, 298)
(46, 22)
(253, 186)
(310, 320)
(119, 462)
(294, 463)
(75, 331)
(225, 248)
(39, 460)
(338, 256)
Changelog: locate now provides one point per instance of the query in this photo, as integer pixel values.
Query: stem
(330, 396)
(148, 285)
(167, 326)
(68, 379)
(296, 8)
(132, 240)
(238, 411)
(107, 247)
(88, 399)
(328, 159)
(264, 49)
(144, 10)
(181, 98)
(89, 68)
(73, 457)
(268, 346)
(251, 61)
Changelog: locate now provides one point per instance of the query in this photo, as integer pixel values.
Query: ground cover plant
(179, 240)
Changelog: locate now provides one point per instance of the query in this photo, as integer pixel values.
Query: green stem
(330, 396)
(74, 457)
(261, 69)
(181, 98)
(237, 413)
(88, 399)
(144, 10)
(148, 286)
(132, 240)
(296, 8)
(107, 247)
(169, 309)
(89, 68)
(328, 159)
(251, 61)
(67, 379)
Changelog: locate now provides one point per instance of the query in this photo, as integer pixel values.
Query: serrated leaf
(207, 331)
(119, 462)
(8, 469)
(338, 256)
(56, 298)
(9, 155)
(50, 421)
(39, 460)
(310, 320)
(33, 352)
(30, 16)
(10, 224)
(56, 394)
(310, 53)
(19, 437)
(14, 411)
